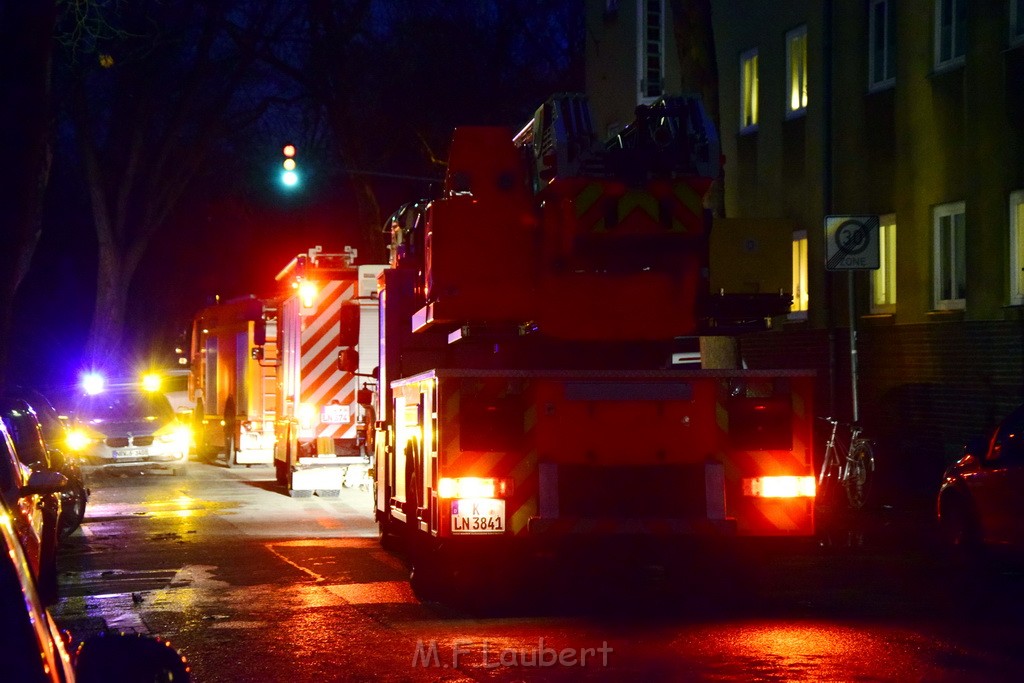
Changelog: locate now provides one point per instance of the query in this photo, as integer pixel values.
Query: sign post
(851, 244)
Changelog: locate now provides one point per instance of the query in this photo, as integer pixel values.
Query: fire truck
(232, 380)
(326, 361)
(530, 315)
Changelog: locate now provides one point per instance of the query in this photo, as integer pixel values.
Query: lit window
(1016, 22)
(800, 297)
(950, 32)
(883, 280)
(950, 257)
(796, 61)
(651, 43)
(748, 91)
(1017, 247)
(881, 45)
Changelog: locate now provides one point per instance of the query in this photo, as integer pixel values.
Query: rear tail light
(779, 487)
(474, 487)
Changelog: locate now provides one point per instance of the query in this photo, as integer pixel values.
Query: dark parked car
(981, 499)
(29, 495)
(33, 649)
(75, 495)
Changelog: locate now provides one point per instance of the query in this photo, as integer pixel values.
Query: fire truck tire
(388, 533)
(427, 578)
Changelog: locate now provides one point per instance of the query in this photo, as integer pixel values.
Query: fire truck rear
(530, 315)
(328, 305)
(232, 380)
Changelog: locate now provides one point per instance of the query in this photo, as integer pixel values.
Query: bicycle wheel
(860, 462)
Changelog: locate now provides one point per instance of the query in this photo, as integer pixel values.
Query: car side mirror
(42, 482)
(348, 360)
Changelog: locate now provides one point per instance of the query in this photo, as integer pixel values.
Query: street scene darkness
(512, 340)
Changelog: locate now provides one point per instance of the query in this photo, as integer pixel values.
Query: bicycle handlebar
(835, 421)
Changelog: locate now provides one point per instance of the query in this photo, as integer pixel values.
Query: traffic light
(290, 174)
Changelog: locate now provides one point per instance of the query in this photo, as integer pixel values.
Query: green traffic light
(289, 178)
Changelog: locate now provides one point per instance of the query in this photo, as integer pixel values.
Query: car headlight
(80, 439)
(180, 435)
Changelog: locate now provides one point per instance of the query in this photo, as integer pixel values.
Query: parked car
(27, 406)
(29, 497)
(981, 498)
(33, 649)
(129, 428)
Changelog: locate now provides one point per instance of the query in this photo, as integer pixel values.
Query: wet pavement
(255, 586)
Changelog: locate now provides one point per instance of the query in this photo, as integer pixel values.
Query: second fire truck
(325, 315)
(277, 380)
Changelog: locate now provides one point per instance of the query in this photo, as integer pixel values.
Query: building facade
(912, 111)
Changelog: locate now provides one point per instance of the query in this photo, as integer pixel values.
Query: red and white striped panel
(322, 381)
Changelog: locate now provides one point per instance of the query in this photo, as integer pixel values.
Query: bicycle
(849, 466)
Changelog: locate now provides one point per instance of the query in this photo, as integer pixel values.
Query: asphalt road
(255, 586)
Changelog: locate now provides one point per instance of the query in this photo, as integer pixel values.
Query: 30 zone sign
(851, 243)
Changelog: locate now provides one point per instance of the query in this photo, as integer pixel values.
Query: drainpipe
(826, 188)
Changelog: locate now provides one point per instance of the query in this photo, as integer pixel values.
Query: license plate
(129, 453)
(478, 516)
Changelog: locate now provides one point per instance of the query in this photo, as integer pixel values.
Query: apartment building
(909, 110)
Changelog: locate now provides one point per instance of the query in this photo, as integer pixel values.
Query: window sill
(883, 86)
(949, 67)
(795, 319)
(1014, 311)
(953, 315)
(879, 319)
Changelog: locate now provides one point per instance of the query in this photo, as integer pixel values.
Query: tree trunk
(108, 320)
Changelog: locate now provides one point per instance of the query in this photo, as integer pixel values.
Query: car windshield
(124, 407)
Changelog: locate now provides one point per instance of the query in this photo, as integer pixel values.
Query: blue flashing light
(93, 383)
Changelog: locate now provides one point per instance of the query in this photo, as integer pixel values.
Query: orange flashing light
(307, 293)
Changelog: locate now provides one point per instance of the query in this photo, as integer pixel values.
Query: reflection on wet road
(256, 586)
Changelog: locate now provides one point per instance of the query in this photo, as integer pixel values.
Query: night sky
(236, 226)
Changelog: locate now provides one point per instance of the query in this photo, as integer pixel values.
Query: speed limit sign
(851, 243)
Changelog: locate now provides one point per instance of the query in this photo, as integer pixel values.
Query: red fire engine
(326, 353)
(232, 380)
(529, 318)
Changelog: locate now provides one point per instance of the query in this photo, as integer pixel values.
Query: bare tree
(149, 101)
